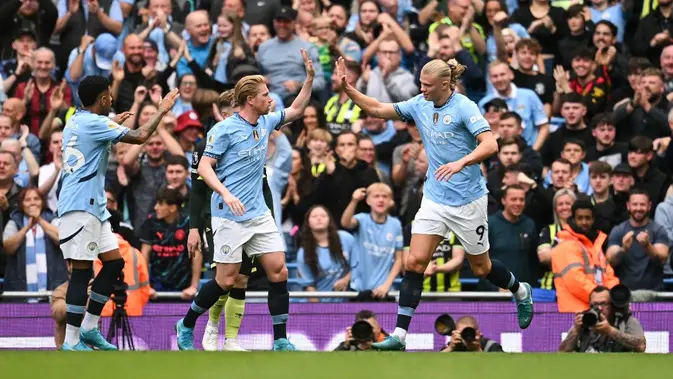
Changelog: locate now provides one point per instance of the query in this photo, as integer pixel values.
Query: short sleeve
(216, 143)
(616, 235)
(275, 120)
(105, 130)
(116, 12)
(405, 109)
(472, 118)
(633, 328)
(305, 274)
(62, 8)
(147, 232)
(10, 229)
(399, 237)
(537, 109)
(660, 235)
(361, 218)
(347, 244)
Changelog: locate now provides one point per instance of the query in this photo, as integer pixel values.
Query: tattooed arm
(630, 339)
(569, 344)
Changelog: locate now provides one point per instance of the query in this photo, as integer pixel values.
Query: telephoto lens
(444, 325)
(468, 334)
(362, 331)
(590, 318)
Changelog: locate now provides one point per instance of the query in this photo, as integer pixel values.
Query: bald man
(478, 344)
(122, 90)
(199, 30)
(15, 110)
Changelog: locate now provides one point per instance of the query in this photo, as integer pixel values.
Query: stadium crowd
(579, 96)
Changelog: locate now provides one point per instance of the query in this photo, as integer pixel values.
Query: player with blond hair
(456, 139)
(233, 167)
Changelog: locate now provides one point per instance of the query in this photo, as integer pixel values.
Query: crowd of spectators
(578, 95)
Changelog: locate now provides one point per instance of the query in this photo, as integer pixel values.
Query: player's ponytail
(457, 70)
(450, 71)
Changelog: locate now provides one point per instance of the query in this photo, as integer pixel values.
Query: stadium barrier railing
(665, 296)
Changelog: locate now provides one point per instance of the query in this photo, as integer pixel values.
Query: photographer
(361, 335)
(607, 327)
(467, 337)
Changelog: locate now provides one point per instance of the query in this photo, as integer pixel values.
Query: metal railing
(326, 295)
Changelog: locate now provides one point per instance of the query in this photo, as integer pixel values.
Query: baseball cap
(152, 44)
(106, 47)
(186, 120)
(285, 13)
(623, 169)
(498, 103)
(26, 30)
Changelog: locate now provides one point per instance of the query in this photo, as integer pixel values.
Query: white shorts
(83, 236)
(468, 222)
(256, 236)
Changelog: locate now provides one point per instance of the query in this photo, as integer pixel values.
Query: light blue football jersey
(240, 149)
(87, 139)
(449, 133)
(374, 253)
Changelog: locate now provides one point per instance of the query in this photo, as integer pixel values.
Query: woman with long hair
(34, 261)
(562, 206)
(366, 152)
(314, 118)
(300, 193)
(323, 253)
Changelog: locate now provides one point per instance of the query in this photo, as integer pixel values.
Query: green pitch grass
(343, 365)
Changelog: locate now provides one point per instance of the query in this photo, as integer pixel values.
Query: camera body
(445, 325)
(620, 298)
(119, 291)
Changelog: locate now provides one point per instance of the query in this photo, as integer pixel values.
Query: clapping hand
(359, 194)
(643, 238)
(627, 240)
(56, 100)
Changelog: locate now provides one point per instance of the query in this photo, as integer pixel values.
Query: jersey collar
(447, 100)
(244, 120)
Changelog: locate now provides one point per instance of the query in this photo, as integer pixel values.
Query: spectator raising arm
(28, 157)
(143, 133)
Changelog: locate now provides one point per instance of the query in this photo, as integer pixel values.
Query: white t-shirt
(46, 172)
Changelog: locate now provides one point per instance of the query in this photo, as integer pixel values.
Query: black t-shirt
(554, 145)
(542, 85)
(613, 155)
(170, 266)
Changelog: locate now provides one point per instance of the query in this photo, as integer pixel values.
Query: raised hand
(139, 94)
(28, 92)
(94, 7)
(57, 98)
(155, 94)
(359, 194)
(341, 70)
(85, 42)
(117, 71)
(168, 101)
(308, 65)
(643, 238)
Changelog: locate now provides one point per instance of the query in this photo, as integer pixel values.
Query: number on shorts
(480, 232)
(72, 153)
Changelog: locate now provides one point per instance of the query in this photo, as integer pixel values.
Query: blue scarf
(36, 258)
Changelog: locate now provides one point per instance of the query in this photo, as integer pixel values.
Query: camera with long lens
(119, 291)
(362, 331)
(444, 325)
(620, 298)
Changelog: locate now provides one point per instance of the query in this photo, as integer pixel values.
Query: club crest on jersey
(447, 119)
(211, 139)
(255, 135)
(435, 118)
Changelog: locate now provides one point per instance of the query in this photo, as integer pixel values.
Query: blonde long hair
(450, 70)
